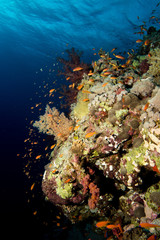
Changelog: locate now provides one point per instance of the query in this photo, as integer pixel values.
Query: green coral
(152, 196)
(120, 114)
(135, 158)
(64, 190)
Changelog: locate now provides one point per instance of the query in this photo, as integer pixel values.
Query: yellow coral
(154, 62)
(81, 108)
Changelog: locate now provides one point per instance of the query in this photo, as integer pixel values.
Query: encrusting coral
(98, 165)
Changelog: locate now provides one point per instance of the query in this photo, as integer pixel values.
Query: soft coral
(73, 77)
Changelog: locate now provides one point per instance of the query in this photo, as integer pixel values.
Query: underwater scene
(80, 105)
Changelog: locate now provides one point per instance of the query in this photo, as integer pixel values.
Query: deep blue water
(32, 34)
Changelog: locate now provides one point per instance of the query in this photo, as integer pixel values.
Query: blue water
(32, 35)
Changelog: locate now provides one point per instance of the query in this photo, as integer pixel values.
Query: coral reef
(106, 163)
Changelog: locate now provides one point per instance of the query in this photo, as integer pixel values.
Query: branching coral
(54, 123)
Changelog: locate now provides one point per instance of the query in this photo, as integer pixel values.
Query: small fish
(54, 171)
(85, 100)
(34, 213)
(146, 42)
(51, 147)
(85, 91)
(139, 41)
(68, 180)
(107, 73)
(88, 135)
(104, 84)
(128, 62)
(67, 78)
(32, 186)
(106, 69)
(152, 237)
(113, 49)
(77, 69)
(80, 87)
(112, 226)
(90, 73)
(102, 56)
(91, 80)
(38, 157)
(146, 106)
(149, 55)
(102, 224)
(123, 65)
(76, 127)
(148, 225)
(72, 85)
(58, 217)
(119, 56)
(52, 90)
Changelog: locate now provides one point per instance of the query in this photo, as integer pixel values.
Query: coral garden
(106, 163)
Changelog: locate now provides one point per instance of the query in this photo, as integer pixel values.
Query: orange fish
(152, 237)
(128, 62)
(77, 69)
(139, 41)
(113, 49)
(52, 90)
(51, 147)
(119, 56)
(80, 86)
(67, 78)
(102, 224)
(149, 55)
(123, 65)
(35, 212)
(85, 91)
(148, 225)
(146, 42)
(106, 69)
(54, 171)
(107, 73)
(146, 106)
(76, 127)
(32, 186)
(112, 226)
(91, 80)
(85, 100)
(38, 157)
(68, 180)
(104, 84)
(88, 135)
(90, 73)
